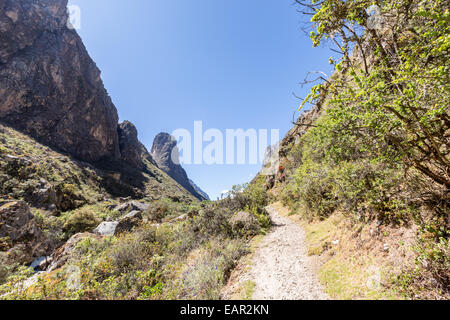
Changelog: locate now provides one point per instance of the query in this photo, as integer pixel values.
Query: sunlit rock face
(49, 86)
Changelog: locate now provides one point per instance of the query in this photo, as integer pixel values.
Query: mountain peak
(166, 154)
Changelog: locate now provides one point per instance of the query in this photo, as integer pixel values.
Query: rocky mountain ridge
(52, 90)
(166, 154)
(65, 160)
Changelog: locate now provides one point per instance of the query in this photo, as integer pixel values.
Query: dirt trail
(280, 268)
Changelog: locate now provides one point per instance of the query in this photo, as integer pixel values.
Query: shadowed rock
(50, 87)
(25, 239)
(130, 147)
(62, 255)
(166, 154)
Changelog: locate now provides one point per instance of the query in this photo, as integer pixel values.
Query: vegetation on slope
(370, 176)
(181, 251)
(379, 153)
(67, 196)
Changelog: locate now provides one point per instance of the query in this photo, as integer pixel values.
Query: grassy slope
(162, 259)
(41, 162)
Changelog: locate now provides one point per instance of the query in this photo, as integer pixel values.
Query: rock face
(166, 154)
(131, 148)
(24, 239)
(204, 195)
(60, 256)
(50, 87)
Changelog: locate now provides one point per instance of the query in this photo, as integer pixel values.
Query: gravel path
(281, 268)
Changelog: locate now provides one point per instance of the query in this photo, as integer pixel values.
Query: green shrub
(251, 195)
(204, 280)
(213, 221)
(333, 176)
(133, 252)
(314, 189)
(13, 288)
(5, 267)
(166, 208)
(68, 197)
(81, 220)
(245, 224)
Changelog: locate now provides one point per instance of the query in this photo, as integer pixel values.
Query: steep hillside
(69, 230)
(365, 171)
(56, 187)
(51, 89)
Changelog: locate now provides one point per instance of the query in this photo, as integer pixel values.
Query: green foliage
(209, 273)
(262, 218)
(81, 220)
(331, 177)
(6, 269)
(252, 198)
(430, 277)
(380, 149)
(14, 287)
(165, 209)
(4, 244)
(394, 98)
(176, 260)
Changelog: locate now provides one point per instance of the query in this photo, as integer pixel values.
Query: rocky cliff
(51, 89)
(132, 150)
(64, 158)
(166, 154)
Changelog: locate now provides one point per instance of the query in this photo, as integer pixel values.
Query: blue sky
(231, 64)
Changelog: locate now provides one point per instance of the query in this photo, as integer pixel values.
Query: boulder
(62, 255)
(43, 196)
(106, 228)
(139, 206)
(135, 214)
(122, 208)
(132, 206)
(125, 224)
(128, 222)
(25, 239)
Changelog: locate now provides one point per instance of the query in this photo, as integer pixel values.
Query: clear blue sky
(232, 64)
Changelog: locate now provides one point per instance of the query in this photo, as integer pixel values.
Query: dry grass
(238, 288)
(356, 260)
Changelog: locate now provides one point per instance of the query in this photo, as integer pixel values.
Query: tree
(392, 86)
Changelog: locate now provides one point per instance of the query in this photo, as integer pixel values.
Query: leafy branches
(392, 87)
